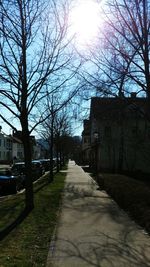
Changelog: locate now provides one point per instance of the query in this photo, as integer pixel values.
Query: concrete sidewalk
(93, 230)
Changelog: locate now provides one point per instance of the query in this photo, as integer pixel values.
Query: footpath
(93, 230)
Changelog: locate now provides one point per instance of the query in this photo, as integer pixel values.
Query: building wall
(86, 148)
(5, 147)
(18, 151)
(11, 148)
(124, 145)
(86, 142)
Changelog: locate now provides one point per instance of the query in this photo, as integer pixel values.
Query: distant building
(11, 147)
(77, 139)
(43, 149)
(17, 149)
(5, 147)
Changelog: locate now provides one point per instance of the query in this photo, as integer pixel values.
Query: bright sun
(85, 20)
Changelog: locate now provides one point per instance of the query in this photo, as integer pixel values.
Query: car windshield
(19, 165)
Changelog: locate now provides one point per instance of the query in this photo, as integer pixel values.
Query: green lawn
(131, 195)
(28, 244)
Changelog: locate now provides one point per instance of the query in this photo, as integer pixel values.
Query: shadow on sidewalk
(102, 250)
(79, 200)
(94, 231)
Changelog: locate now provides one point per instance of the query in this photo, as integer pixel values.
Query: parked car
(54, 162)
(37, 169)
(18, 168)
(45, 163)
(9, 182)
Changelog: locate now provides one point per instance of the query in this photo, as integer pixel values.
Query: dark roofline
(17, 140)
(102, 105)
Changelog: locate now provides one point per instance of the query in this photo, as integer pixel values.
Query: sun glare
(85, 21)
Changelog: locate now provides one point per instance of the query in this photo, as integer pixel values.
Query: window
(0, 142)
(8, 144)
(107, 131)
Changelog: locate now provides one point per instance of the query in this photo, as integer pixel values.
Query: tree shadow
(100, 250)
(14, 224)
(98, 204)
(24, 213)
(96, 232)
(41, 186)
(83, 189)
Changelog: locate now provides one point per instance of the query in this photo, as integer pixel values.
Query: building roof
(16, 140)
(112, 107)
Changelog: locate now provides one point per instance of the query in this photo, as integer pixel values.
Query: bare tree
(121, 56)
(56, 123)
(33, 49)
(129, 25)
(62, 127)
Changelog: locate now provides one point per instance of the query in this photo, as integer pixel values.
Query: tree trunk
(60, 158)
(57, 158)
(51, 176)
(29, 199)
(121, 144)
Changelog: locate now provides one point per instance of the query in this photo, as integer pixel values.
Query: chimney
(133, 95)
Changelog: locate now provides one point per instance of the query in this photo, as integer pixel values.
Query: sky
(6, 128)
(77, 128)
(85, 21)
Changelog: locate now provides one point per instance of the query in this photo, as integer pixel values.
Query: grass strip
(131, 195)
(27, 245)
